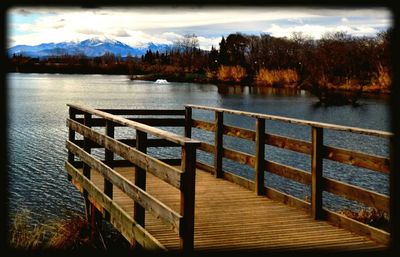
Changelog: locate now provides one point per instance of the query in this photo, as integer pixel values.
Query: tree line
(337, 60)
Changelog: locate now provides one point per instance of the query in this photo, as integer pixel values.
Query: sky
(137, 26)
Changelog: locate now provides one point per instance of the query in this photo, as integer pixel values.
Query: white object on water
(161, 81)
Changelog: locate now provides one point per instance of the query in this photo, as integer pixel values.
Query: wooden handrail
(161, 170)
(160, 112)
(183, 179)
(316, 150)
(136, 125)
(136, 193)
(350, 157)
(370, 132)
(127, 226)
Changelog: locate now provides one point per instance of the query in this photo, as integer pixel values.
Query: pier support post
(316, 172)
(109, 161)
(71, 137)
(218, 154)
(260, 156)
(86, 168)
(188, 121)
(394, 194)
(140, 177)
(187, 206)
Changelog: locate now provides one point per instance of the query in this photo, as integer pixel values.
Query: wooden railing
(316, 149)
(134, 152)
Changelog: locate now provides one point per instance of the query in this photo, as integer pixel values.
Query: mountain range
(91, 47)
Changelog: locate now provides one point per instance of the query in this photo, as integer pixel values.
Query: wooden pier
(184, 204)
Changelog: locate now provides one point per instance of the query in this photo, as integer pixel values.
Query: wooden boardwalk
(184, 204)
(230, 217)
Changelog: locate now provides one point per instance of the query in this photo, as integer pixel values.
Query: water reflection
(225, 90)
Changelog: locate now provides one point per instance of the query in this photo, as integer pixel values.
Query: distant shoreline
(202, 79)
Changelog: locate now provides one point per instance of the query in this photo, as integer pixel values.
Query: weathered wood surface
(348, 191)
(136, 125)
(144, 111)
(158, 122)
(259, 161)
(376, 200)
(229, 217)
(316, 172)
(118, 216)
(153, 142)
(354, 158)
(187, 198)
(370, 132)
(218, 143)
(133, 191)
(367, 197)
(163, 171)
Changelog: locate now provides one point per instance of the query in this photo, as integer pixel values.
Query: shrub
(231, 73)
(57, 234)
(382, 80)
(276, 77)
(370, 216)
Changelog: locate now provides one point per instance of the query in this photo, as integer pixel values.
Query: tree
(187, 47)
(223, 55)
(235, 47)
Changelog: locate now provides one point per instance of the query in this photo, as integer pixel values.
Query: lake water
(36, 131)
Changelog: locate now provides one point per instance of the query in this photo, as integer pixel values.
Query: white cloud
(207, 43)
(317, 31)
(138, 26)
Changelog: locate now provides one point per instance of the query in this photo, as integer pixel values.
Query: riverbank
(278, 81)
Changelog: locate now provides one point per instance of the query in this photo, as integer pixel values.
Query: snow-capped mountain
(91, 47)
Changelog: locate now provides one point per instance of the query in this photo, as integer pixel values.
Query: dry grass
(382, 80)
(276, 78)
(231, 73)
(369, 216)
(57, 234)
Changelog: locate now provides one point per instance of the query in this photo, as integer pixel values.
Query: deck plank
(230, 217)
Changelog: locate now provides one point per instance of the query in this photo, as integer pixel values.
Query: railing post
(71, 137)
(109, 161)
(187, 206)
(90, 209)
(218, 142)
(316, 172)
(86, 144)
(260, 156)
(394, 195)
(188, 121)
(140, 177)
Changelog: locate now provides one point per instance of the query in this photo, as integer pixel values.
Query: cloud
(207, 43)
(89, 31)
(139, 25)
(24, 12)
(318, 31)
(121, 33)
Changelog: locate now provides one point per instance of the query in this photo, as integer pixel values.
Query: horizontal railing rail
(135, 125)
(315, 149)
(370, 132)
(128, 227)
(355, 158)
(163, 171)
(134, 153)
